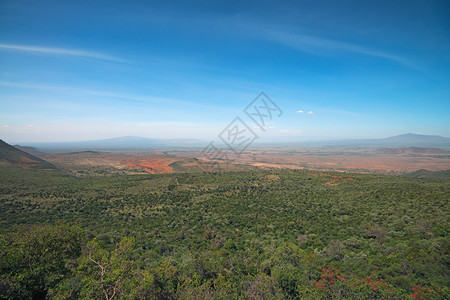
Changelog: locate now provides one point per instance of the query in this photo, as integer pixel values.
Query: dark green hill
(429, 174)
(13, 156)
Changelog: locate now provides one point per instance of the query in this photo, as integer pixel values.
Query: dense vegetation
(250, 235)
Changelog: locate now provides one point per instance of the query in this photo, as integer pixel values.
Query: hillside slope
(429, 174)
(13, 156)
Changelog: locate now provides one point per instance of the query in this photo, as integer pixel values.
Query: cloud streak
(317, 45)
(121, 97)
(61, 51)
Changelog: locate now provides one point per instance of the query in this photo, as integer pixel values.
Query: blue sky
(82, 70)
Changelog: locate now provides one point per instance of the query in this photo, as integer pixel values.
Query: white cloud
(302, 111)
(61, 51)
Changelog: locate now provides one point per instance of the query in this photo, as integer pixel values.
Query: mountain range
(135, 143)
(403, 140)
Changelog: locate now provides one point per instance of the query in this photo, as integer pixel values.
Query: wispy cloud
(317, 45)
(349, 113)
(310, 112)
(76, 90)
(61, 51)
(127, 98)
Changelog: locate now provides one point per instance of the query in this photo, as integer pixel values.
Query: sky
(86, 70)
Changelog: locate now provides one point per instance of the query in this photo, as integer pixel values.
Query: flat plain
(162, 161)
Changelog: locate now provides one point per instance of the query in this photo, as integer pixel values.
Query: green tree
(114, 274)
(34, 259)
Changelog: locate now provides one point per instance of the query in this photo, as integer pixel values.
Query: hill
(13, 156)
(429, 174)
(411, 139)
(30, 150)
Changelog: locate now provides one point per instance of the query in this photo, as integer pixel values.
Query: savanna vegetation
(241, 235)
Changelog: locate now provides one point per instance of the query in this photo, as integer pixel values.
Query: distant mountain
(13, 156)
(120, 143)
(400, 141)
(138, 143)
(417, 139)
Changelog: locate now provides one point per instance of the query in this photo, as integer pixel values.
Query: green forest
(277, 234)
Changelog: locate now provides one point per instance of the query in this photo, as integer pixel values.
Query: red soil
(152, 165)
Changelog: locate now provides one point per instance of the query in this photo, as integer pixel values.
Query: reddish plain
(93, 162)
(383, 161)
